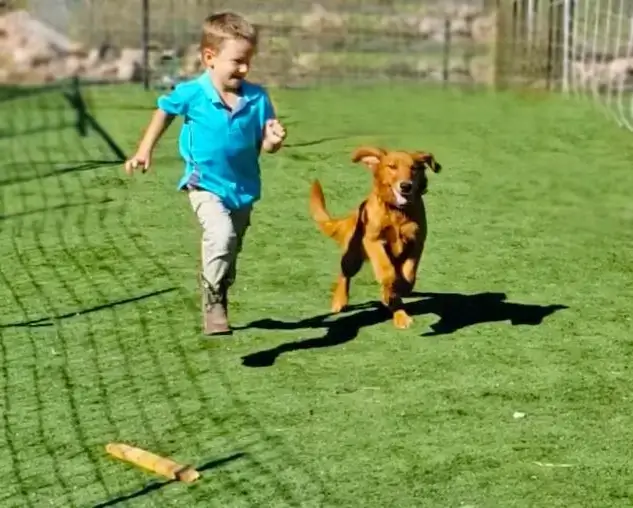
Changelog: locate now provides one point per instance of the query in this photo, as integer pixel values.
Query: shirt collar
(212, 94)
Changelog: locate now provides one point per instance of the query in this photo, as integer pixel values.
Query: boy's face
(230, 63)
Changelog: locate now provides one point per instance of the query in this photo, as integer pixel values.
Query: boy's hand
(141, 160)
(274, 133)
(159, 123)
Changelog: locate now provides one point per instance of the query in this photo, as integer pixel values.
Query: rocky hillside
(296, 47)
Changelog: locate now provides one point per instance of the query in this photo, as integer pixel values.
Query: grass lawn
(525, 306)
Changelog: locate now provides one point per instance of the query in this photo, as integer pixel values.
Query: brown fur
(387, 230)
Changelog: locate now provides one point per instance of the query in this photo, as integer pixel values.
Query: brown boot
(214, 311)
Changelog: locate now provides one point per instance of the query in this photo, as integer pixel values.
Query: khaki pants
(222, 234)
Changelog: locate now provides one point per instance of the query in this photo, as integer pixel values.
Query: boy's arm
(157, 126)
(169, 106)
(273, 133)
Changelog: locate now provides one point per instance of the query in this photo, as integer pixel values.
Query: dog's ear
(368, 155)
(427, 160)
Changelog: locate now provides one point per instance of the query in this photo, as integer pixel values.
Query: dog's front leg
(386, 276)
(351, 263)
(340, 297)
(409, 270)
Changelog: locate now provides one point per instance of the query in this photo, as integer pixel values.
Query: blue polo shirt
(220, 147)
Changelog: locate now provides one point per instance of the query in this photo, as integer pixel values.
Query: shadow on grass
(69, 168)
(50, 320)
(12, 133)
(62, 206)
(455, 311)
(156, 485)
(315, 142)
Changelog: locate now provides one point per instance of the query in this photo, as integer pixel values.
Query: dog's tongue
(400, 199)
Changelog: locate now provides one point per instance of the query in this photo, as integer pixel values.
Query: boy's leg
(219, 240)
(241, 221)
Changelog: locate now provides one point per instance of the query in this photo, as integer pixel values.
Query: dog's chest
(399, 236)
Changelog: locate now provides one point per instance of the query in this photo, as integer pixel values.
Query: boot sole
(216, 333)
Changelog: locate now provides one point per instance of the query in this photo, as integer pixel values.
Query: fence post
(447, 50)
(568, 13)
(530, 45)
(556, 43)
(145, 43)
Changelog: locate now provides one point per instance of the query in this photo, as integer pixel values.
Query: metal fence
(583, 47)
(302, 42)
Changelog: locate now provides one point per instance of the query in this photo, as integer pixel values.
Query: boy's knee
(221, 238)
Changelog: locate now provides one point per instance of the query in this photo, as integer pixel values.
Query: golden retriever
(388, 228)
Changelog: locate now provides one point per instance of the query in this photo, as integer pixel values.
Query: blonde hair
(226, 25)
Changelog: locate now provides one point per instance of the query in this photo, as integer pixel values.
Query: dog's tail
(338, 229)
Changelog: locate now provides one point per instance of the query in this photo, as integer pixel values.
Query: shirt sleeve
(176, 102)
(268, 110)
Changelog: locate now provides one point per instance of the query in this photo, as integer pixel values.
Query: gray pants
(222, 234)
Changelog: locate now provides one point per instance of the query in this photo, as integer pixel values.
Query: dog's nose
(406, 186)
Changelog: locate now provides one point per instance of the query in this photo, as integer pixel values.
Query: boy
(227, 122)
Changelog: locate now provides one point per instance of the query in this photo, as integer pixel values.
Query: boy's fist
(274, 132)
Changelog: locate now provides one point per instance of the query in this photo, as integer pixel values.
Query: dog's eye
(392, 166)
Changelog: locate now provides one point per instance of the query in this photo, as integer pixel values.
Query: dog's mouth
(401, 198)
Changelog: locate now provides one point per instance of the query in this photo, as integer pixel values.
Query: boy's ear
(368, 155)
(206, 56)
(427, 160)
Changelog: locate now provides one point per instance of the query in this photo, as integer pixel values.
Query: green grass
(532, 210)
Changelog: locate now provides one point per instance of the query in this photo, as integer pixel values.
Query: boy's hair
(226, 25)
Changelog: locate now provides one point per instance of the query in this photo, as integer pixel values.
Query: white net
(600, 64)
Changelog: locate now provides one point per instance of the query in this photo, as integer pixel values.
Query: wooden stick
(155, 463)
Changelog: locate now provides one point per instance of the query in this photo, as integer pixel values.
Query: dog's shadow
(455, 311)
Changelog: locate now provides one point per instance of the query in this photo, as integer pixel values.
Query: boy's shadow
(455, 311)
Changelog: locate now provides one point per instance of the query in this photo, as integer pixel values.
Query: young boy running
(227, 122)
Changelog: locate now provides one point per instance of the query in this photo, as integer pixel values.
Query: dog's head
(401, 176)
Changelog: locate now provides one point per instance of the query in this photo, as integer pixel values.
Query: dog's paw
(339, 299)
(338, 306)
(401, 319)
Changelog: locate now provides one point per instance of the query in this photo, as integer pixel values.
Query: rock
(93, 58)
(306, 61)
(432, 28)
(191, 63)
(468, 12)
(33, 52)
(460, 27)
(129, 71)
(22, 23)
(319, 19)
(484, 29)
(482, 69)
(74, 66)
